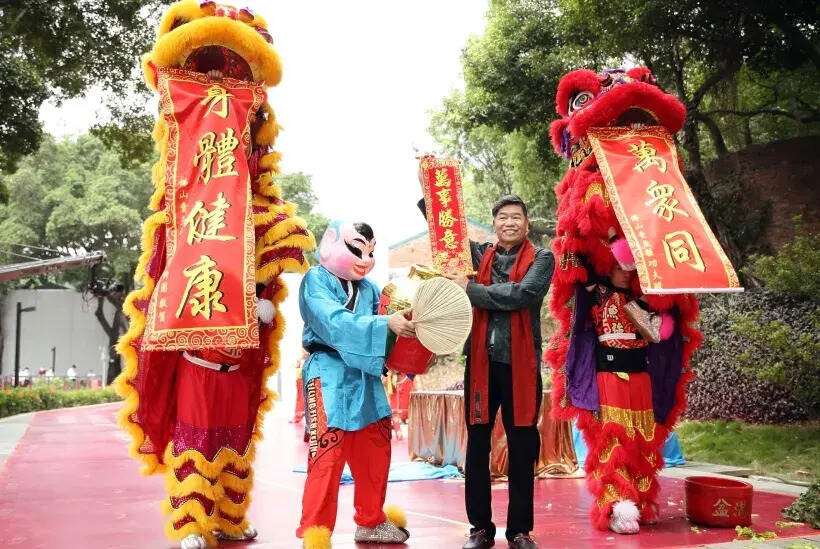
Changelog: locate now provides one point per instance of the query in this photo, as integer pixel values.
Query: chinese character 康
(202, 276)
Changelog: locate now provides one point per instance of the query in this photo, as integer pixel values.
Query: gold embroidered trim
(642, 420)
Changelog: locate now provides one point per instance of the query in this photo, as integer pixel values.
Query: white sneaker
(248, 534)
(386, 532)
(624, 518)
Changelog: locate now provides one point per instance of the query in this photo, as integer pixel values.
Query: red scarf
(524, 370)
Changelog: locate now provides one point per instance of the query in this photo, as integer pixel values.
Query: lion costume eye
(579, 100)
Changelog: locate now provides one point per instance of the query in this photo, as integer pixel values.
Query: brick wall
(417, 250)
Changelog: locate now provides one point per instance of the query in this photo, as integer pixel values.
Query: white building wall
(61, 320)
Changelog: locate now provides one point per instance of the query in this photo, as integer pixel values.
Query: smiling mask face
(346, 250)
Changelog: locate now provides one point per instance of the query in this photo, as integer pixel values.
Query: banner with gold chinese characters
(446, 217)
(675, 249)
(206, 295)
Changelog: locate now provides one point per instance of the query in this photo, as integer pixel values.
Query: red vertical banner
(675, 249)
(446, 216)
(206, 295)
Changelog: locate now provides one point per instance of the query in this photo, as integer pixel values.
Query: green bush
(781, 355)
(31, 399)
(795, 270)
(806, 508)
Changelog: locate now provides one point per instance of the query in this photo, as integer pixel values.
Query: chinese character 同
(206, 279)
(217, 95)
(665, 207)
(223, 149)
(680, 248)
(446, 219)
(449, 239)
(204, 224)
(442, 178)
(645, 153)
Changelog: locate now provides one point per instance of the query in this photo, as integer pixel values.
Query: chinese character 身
(204, 224)
(216, 95)
(665, 208)
(206, 279)
(442, 178)
(222, 149)
(680, 248)
(646, 155)
(446, 219)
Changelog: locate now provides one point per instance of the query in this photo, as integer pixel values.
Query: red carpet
(70, 484)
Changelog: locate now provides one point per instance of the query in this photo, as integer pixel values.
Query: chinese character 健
(646, 155)
(204, 224)
(206, 279)
(666, 204)
(217, 95)
(680, 248)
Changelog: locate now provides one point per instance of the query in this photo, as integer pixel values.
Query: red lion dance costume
(195, 397)
(625, 412)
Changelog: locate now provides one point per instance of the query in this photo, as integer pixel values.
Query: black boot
(480, 539)
(523, 541)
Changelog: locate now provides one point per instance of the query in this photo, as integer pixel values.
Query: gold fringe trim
(269, 130)
(630, 420)
(270, 161)
(203, 523)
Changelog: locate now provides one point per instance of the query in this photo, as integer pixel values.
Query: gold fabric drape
(438, 435)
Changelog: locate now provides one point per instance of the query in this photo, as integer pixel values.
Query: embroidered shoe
(386, 532)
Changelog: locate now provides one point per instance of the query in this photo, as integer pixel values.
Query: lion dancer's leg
(208, 475)
(623, 453)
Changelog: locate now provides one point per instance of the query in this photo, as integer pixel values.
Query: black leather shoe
(523, 541)
(479, 539)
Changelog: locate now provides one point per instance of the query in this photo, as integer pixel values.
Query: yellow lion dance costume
(195, 400)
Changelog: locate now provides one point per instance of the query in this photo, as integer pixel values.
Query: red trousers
(624, 447)
(366, 451)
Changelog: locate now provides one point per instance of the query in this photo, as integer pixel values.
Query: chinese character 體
(222, 149)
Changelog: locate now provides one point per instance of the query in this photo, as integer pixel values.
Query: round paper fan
(442, 314)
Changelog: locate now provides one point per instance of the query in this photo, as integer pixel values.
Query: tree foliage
(746, 71)
(58, 50)
(74, 196)
(296, 187)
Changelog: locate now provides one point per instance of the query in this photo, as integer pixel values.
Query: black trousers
(523, 444)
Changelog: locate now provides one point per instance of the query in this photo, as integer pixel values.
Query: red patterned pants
(624, 447)
(366, 451)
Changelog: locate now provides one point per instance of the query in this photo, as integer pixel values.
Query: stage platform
(70, 484)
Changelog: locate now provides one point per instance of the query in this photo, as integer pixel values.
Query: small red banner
(206, 295)
(446, 217)
(675, 250)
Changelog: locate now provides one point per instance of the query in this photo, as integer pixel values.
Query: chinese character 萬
(646, 155)
(442, 178)
(207, 298)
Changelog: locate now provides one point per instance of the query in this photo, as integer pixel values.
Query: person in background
(71, 373)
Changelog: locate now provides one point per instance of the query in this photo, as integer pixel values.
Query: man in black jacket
(503, 369)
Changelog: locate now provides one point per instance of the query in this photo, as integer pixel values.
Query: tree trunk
(714, 131)
(113, 330)
(691, 144)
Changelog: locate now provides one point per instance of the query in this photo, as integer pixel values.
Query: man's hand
(459, 278)
(400, 326)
